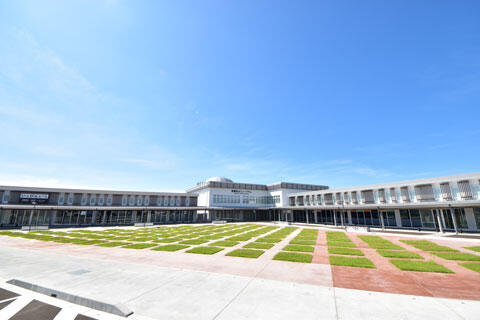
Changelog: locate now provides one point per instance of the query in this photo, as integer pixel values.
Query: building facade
(449, 203)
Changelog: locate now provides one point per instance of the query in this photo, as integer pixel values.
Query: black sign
(34, 198)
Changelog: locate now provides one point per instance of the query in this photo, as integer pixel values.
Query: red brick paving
(320, 255)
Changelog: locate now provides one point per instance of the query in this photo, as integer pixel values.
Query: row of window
(405, 194)
(246, 199)
(107, 200)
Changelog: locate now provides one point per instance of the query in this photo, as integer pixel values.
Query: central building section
(232, 201)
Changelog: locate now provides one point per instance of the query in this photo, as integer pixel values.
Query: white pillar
(439, 220)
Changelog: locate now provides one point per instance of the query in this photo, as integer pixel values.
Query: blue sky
(158, 95)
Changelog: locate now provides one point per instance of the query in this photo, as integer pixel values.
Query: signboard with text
(34, 198)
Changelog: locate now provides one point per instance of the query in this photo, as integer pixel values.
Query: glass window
(415, 218)
(405, 217)
(428, 220)
(476, 213)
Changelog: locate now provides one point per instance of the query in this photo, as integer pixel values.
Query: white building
(442, 203)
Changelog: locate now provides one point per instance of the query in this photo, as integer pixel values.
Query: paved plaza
(158, 284)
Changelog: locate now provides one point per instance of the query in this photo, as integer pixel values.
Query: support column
(94, 217)
(149, 216)
(315, 216)
(341, 218)
(381, 219)
(134, 216)
(398, 218)
(452, 213)
(439, 220)
(335, 217)
(349, 216)
(306, 214)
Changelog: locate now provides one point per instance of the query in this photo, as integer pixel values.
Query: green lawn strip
(304, 242)
(426, 245)
(245, 253)
(239, 238)
(224, 243)
(140, 246)
(211, 237)
(205, 250)
(293, 257)
(141, 239)
(121, 238)
(376, 242)
(268, 240)
(193, 241)
(337, 236)
(258, 245)
(167, 240)
(474, 248)
(351, 262)
(399, 254)
(341, 244)
(423, 266)
(345, 251)
(474, 266)
(113, 244)
(298, 248)
(461, 256)
(170, 247)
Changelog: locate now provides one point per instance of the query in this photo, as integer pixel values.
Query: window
(61, 199)
(328, 198)
(367, 196)
(405, 194)
(381, 195)
(424, 192)
(428, 220)
(465, 190)
(446, 191)
(393, 195)
(70, 199)
(227, 199)
(476, 213)
(276, 199)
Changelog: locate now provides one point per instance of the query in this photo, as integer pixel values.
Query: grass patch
(351, 262)
(205, 250)
(294, 247)
(170, 247)
(239, 238)
(193, 241)
(345, 251)
(474, 248)
(224, 243)
(246, 253)
(268, 240)
(474, 266)
(426, 245)
(376, 242)
(113, 244)
(461, 256)
(294, 257)
(422, 266)
(337, 236)
(259, 245)
(139, 246)
(168, 240)
(399, 254)
(303, 242)
(341, 244)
